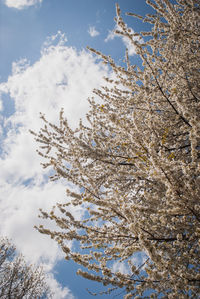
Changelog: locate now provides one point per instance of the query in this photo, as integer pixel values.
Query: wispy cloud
(93, 32)
(127, 42)
(62, 77)
(111, 35)
(21, 4)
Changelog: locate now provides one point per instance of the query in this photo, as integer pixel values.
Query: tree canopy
(17, 279)
(136, 163)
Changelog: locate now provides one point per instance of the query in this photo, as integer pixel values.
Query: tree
(136, 163)
(17, 279)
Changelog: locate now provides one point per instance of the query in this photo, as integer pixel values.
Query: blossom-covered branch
(136, 163)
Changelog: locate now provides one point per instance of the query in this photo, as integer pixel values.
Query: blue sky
(44, 65)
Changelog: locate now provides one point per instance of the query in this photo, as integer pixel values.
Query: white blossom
(137, 162)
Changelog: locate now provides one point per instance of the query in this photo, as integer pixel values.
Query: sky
(44, 66)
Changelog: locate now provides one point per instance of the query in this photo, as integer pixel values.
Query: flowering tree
(136, 163)
(18, 280)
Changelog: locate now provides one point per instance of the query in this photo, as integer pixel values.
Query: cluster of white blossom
(137, 162)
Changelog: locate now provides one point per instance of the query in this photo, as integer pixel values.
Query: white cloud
(127, 42)
(59, 293)
(19, 213)
(21, 4)
(1, 105)
(138, 259)
(93, 32)
(62, 77)
(111, 35)
(121, 267)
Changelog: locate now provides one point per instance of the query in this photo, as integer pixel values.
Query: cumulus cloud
(127, 42)
(19, 213)
(21, 4)
(59, 293)
(93, 32)
(62, 77)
